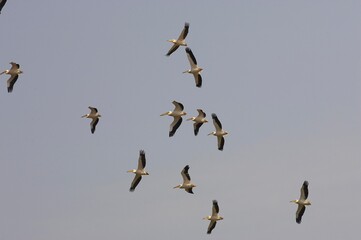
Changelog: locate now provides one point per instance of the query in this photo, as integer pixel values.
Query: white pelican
(214, 218)
(187, 185)
(94, 115)
(219, 132)
(302, 202)
(139, 171)
(177, 114)
(180, 41)
(2, 3)
(195, 70)
(198, 121)
(14, 74)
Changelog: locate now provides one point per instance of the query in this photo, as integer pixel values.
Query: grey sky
(282, 76)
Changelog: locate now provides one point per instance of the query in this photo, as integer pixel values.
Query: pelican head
(225, 132)
(132, 171)
(192, 118)
(86, 115)
(172, 40)
(166, 113)
(178, 186)
(212, 133)
(294, 201)
(187, 71)
(207, 218)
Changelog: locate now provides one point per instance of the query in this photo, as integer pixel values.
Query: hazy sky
(284, 78)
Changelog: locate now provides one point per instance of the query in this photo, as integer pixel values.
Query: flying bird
(13, 72)
(94, 115)
(302, 202)
(180, 41)
(198, 121)
(214, 218)
(2, 3)
(139, 171)
(219, 132)
(177, 114)
(186, 185)
(195, 70)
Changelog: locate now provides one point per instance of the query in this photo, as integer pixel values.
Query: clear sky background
(284, 78)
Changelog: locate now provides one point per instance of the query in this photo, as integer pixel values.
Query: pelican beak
(176, 187)
(186, 71)
(189, 119)
(163, 114)
(83, 116)
(210, 134)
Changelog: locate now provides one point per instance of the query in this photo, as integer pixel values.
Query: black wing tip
(188, 50)
(142, 152)
(214, 115)
(215, 202)
(186, 24)
(131, 189)
(186, 167)
(10, 90)
(190, 191)
(305, 183)
(171, 134)
(299, 221)
(220, 149)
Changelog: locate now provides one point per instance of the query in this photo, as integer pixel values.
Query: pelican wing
(2, 3)
(175, 125)
(299, 213)
(184, 32)
(201, 113)
(185, 175)
(178, 106)
(189, 190)
(216, 122)
(304, 191)
(215, 208)
(14, 66)
(191, 58)
(220, 140)
(198, 79)
(172, 49)
(141, 160)
(93, 110)
(12, 80)
(93, 124)
(211, 226)
(135, 182)
(196, 127)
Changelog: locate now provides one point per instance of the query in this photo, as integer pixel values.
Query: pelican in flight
(198, 121)
(180, 41)
(2, 3)
(219, 131)
(187, 185)
(139, 171)
(94, 115)
(195, 70)
(13, 72)
(214, 218)
(302, 202)
(177, 114)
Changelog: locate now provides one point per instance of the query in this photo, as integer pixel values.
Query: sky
(284, 78)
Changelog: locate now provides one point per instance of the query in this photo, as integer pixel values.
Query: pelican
(195, 70)
(94, 115)
(187, 185)
(177, 114)
(2, 3)
(198, 121)
(302, 202)
(13, 72)
(139, 171)
(214, 218)
(180, 41)
(219, 132)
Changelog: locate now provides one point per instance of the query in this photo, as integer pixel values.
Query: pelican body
(94, 115)
(195, 70)
(139, 172)
(214, 217)
(302, 202)
(198, 121)
(14, 72)
(219, 133)
(186, 185)
(180, 41)
(177, 114)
